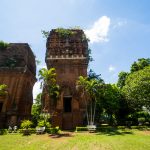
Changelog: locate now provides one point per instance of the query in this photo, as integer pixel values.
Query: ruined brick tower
(68, 54)
(17, 71)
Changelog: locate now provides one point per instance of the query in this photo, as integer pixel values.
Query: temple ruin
(17, 71)
(68, 54)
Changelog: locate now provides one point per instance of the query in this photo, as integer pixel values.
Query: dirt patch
(146, 132)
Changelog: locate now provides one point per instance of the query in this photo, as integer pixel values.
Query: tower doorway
(67, 115)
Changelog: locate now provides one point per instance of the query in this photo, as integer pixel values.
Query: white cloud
(99, 30)
(111, 68)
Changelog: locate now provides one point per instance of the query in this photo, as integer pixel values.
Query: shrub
(141, 120)
(42, 123)
(26, 124)
(3, 131)
(32, 130)
(55, 130)
(64, 32)
(3, 89)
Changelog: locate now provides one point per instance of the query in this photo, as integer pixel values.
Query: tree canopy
(140, 64)
(137, 88)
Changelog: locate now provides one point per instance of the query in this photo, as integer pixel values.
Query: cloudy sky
(119, 30)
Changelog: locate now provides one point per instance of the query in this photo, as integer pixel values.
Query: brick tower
(67, 52)
(17, 71)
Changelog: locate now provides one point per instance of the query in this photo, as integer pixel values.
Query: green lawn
(118, 140)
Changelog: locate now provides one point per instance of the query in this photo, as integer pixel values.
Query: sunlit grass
(120, 140)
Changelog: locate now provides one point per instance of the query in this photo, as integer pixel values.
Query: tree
(36, 109)
(110, 101)
(137, 89)
(140, 64)
(48, 83)
(122, 78)
(89, 89)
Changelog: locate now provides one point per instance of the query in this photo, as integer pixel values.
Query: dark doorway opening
(67, 104)
(1, 106)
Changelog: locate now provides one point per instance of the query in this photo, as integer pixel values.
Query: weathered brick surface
(69, 56)
(17, 71)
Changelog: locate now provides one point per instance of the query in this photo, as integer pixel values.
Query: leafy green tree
(140, 64)
(89, 89)
(110, 101)
(48, 84)
(122, 78)
(137, 89)
(36, 109)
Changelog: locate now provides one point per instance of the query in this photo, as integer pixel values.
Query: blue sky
(119, 30)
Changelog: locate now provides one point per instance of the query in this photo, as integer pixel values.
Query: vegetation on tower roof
(62, 32)
(3, 45)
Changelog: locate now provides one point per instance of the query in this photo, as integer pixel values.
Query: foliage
(122, 78)
(93, 75)
(140, 64)
(45, 33)
(89, 55)
(3, 131)
(3, 45)
(32, 130)
(3, 89)
(49, 84)
(109, 103)
(137, 89)
(26, 124)
(65, 33)
(42, 123)
(55, 130)
(89, 90)
(36, 109)
(44, 120)
(141, 120)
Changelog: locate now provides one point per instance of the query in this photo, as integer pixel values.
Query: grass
(112, 140)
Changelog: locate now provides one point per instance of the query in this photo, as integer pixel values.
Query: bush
(3, 131)
(55, 130)
(32, 130)
(42, 123)
(141, 120)
(26, 124)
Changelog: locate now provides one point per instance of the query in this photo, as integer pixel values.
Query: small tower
(67, 52)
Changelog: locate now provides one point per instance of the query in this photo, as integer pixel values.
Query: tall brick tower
(67, 52)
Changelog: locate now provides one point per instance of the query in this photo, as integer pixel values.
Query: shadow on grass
(61, 135)
(113, 131)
